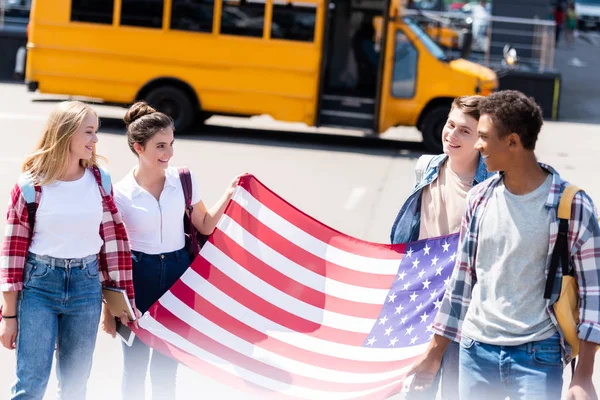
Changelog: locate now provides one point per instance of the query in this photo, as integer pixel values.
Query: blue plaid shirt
(584, 242)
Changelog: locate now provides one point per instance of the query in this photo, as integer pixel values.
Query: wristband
(9, 316)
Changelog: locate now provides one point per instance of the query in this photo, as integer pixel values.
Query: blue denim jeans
(530, 371)
(153, 275)
(446, 380)
(60, 305)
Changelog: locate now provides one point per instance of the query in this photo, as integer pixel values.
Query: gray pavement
(354, 187)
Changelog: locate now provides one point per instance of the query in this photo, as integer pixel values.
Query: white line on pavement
(355, 197)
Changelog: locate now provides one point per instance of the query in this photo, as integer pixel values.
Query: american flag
(279, 305)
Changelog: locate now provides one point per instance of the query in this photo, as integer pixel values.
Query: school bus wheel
(433, 124)
(175, 103)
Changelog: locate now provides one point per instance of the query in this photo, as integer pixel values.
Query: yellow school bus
(314, 61)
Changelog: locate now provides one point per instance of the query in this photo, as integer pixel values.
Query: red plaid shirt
(114, 256)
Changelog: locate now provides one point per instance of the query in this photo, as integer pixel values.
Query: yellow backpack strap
(560, 254)
(566, 199)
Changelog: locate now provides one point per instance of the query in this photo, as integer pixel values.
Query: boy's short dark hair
(468, 105)
(513, 112)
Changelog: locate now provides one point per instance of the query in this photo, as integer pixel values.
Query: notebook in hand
(117, 302)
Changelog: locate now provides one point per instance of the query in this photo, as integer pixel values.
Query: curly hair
(513, 112)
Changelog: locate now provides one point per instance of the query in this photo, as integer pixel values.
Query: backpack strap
(186, 183)
(27, 187)
(105, 180)
(422, 165)
(560, 255)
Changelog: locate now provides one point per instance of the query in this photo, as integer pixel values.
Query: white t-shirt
(68, 218)
(507, 306)
(154, 226)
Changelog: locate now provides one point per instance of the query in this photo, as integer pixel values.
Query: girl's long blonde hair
(50, 160)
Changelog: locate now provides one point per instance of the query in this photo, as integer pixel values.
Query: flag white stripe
(321, 346)
(311, 244)
(228, 339)
(283, 300)
(297, 272)
(285, 388)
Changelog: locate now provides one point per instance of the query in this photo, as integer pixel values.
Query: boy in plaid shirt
(511, 344)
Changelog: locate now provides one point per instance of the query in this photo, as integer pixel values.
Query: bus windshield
(431, 45)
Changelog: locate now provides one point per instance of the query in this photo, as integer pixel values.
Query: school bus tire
(433, 124)
(174, 102)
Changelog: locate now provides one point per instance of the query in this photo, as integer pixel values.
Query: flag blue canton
(416, 295)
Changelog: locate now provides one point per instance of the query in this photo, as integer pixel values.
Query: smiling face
(158, 150)
(83, 141)
(459, 135)
(493, 147)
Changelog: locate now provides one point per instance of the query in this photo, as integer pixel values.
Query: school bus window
(144, 13)
(192, 15)
(243, 18)
(96, 11)
(293, 22)
(405, 67)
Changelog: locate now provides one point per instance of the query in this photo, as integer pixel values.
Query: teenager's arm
(582, 386)
(448, 322)
(205, 220)
(9, 327)
(585, 236)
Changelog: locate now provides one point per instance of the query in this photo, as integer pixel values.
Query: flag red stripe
(207, 369)
(232, 381)
(253, 364)
(270, 311)
(286, 284)
(219, 317)
(302, 257)
(318, 229)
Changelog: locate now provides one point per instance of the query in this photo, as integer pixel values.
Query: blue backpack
(27, 187)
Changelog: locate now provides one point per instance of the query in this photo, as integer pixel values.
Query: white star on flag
(424, 317)
(393, 342)
(434, 261)
(447, 281)
(409, 253)
(409, 330)
(426, 249)
(414, 340)
(388, 331)
(446, 246)
(413, 297)
(403, 320)
(430, 328)
(405, 287)
(421, 274)
(439, 271)
(392, 297)
(453, 257)
(415, 264)
(419, 307)
(401, 275)
(383, 320)
(438, 304)
(426, 284)
(399, 309)
(371, 341)
(432, 295)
